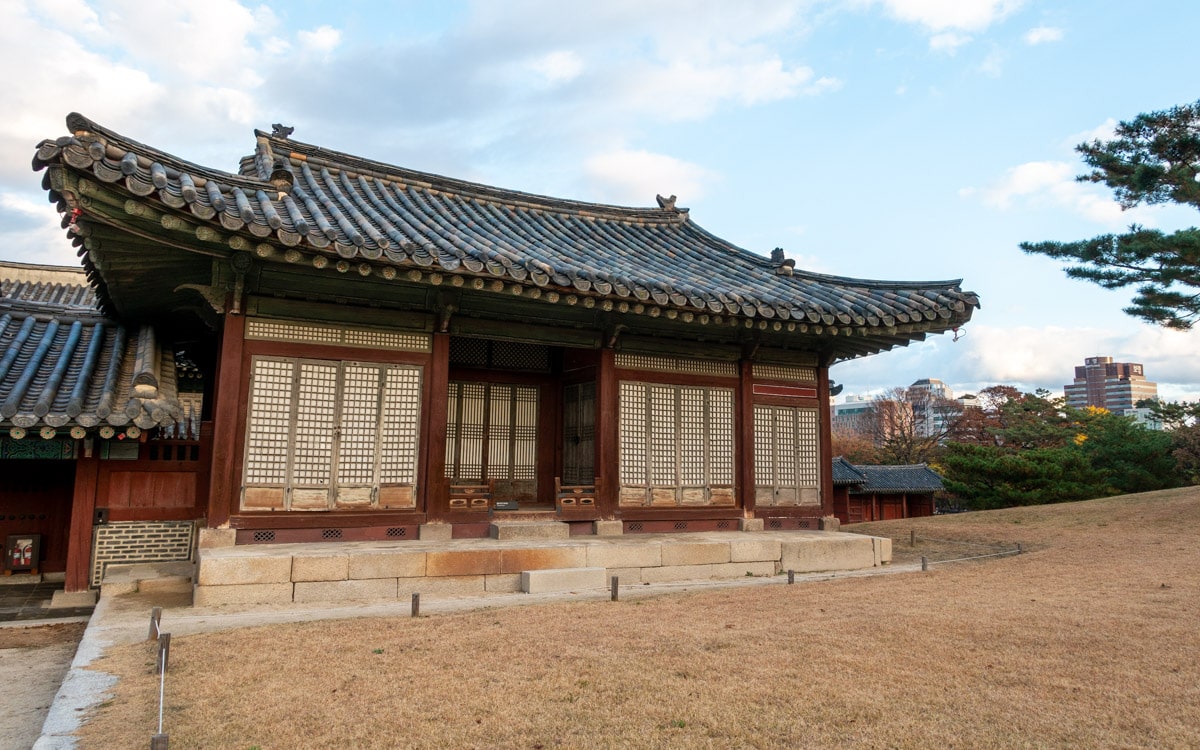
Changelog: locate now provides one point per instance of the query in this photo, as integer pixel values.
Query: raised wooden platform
(329, 572)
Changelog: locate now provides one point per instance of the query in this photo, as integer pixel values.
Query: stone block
(624, 555)
(119, 587)
(694, 553)
(505, 583)
(340, 591)
(673, 573)
(563, 579)
(830, 523)
(442, 587)
(608, 528)
(757, 569)
(255, 593)
(320, 567)
(387, 564)
(165, 585)
(883, 550)
(750, 524)
(542, 558)
(813, 553)
(627, 576)
(215, 538)
(528, 531)
(242, 571)
(435, 532)
(64, 599)
(754, 549)
(462, 563)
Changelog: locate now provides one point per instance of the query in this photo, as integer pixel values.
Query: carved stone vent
(681, 525)
(774, 523)
(397, 531)
(723, 525)
(634, 527)
(331, 534)
(264, 536)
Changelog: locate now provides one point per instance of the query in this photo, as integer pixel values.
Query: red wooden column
(607, 435)
(228, 414)
(437, 392)
(825, 440)
(79, 538)
(743, 438)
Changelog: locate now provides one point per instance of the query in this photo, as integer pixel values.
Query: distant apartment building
(933, 406)
(854, 414)
(1115, 386)
(927, 410)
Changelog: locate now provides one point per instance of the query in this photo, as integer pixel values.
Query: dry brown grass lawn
(1092, 639)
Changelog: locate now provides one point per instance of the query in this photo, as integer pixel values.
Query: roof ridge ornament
(666, 204)
(784, 266)
(281, 131)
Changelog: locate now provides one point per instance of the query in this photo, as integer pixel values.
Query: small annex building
(867, 492)
(380, 350)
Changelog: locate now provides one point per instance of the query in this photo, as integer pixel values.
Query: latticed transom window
(322, 434)
(786, 456)
(676, 444)
(491, 434)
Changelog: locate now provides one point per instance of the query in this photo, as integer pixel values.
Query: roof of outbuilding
(846, 473)
(910, 478)
(63, 364)
(376, 216)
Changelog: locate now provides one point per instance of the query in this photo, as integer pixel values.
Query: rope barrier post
(159, 741)
(1019, 550)
(155, 619)
(416, 605)
(912, 537)
(924, 564)
(791, 577)
(615, 588)
(164, 652)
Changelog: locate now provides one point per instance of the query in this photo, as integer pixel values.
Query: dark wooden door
(35, 498)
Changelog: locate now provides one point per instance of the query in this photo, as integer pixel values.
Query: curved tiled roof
(846, 473)
(911, 478)
(297, 197)
(63, 364)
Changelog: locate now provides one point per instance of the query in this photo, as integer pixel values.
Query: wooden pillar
(743, 438)
(825, 440)
(79, 538)
(904, 505)
(228, 419)
(433, 444)
(608, 437)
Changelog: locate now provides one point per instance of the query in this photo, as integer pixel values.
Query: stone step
(526, 531)
(558, 580)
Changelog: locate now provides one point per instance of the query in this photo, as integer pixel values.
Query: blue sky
(893, 139)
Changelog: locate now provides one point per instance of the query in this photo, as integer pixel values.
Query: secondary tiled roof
(354, 213)
(64, 365)
(846, 473)
(911, 478)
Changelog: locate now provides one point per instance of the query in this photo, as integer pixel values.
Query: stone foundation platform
(348, 571)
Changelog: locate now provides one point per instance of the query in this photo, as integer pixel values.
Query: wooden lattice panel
(491, 432)
(686, 365)
(786, 456)
(579, 433)
(323, 433)
(314, 333)
(784, 372)
(676, 444)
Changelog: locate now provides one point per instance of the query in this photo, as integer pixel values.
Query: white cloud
(1043, 35)
(948, 41)
(1105, 131)
(559, 66)
(635, 177)
(964, 15)
(993, 64)
(322, 40)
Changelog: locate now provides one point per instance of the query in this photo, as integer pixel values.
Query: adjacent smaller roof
(846, 473)
(912, 479)
(63, 364)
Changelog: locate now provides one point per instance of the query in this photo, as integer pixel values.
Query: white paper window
(491, 432)
(676, 444)
(324, 433)
(786, 456)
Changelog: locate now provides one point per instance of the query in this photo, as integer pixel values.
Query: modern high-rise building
(1116, 386)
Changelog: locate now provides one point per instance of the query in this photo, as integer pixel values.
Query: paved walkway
(125, 619)
(23, 602)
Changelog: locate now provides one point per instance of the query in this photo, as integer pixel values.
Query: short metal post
(159, 741)
(416, 605)
(912, 537)
(164, 652)
(924, 564)
(1019, 550)
(791, 577)
(615, 588)
(155, 619)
